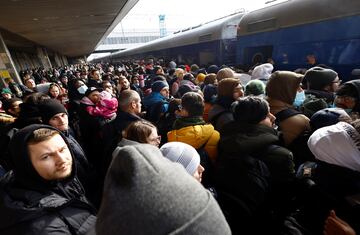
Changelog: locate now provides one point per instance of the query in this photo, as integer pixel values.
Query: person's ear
(133, 104)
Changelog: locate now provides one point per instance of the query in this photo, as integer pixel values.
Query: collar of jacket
(187, 121)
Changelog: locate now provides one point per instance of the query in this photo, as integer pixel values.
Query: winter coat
(251, 170)
(207, 108)
(90, 127)
(95, 83)
(31, 212)
(220, 113)
(155, 105)
(112, 133)
(328, 96)
(32, 205)
(198, 136)
(258, 141)
(291, 127)
(106, 108)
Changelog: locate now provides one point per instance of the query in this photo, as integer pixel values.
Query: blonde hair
(41, 135)
(139, 131)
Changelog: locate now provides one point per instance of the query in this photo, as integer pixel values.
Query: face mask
(82, 89)
(299, 99)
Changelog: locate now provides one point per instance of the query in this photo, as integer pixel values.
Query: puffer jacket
(198, 136)
(259, 141)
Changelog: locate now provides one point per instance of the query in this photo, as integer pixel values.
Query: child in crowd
(104, 105)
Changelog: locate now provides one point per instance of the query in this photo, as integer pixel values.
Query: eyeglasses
(156, 139)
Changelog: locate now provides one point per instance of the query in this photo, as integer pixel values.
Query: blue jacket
(155, 105)
(153, 99)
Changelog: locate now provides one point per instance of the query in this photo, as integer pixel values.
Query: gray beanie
(182, 153)
(318, 77)
(144, 193)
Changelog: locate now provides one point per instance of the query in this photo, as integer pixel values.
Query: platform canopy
(70, 27)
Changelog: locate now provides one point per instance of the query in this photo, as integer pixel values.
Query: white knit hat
(262, 72)
(338, 144)
(182, 153)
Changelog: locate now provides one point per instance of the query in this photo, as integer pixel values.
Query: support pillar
(58, 61)
(44, 58)
(7, 66)
(64, 59)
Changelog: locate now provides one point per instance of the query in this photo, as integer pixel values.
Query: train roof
(296, 12)
(207, 32)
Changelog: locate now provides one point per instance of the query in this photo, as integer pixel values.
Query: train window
(206, 37)
(261, 25)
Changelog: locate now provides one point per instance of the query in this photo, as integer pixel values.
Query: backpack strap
(285, 114)
(217, 116)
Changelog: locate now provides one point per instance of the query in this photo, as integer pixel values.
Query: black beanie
(250, 109)
(318, 77)
(50, 107)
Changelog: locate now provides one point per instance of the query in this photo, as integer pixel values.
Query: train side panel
(333, 42)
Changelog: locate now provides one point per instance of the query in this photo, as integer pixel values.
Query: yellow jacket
(198, 136)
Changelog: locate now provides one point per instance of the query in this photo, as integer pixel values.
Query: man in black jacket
(254, 174)
(53, 113)
(42, 194)
(129, 111)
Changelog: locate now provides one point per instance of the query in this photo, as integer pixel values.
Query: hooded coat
(32, 205)
(281, 91)
(197, 135)
(253, 174)
(155, 104)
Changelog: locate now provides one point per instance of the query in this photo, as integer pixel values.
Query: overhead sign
(4, 74)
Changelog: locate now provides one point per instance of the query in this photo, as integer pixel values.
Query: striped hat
(182, 153)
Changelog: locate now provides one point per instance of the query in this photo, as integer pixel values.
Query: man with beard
(42, 194)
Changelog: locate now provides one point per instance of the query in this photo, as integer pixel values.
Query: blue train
(293, 34)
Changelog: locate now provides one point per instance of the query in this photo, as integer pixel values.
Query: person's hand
(336, 226)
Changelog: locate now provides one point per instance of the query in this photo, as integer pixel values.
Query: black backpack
(243, 184)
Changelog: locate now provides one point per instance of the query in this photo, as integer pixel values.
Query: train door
(206, 57)
(256, 55)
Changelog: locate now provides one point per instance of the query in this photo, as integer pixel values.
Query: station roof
(70, 27)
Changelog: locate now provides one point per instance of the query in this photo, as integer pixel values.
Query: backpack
(243, 185)
(299, 146)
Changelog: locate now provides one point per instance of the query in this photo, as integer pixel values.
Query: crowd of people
(158, 148)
